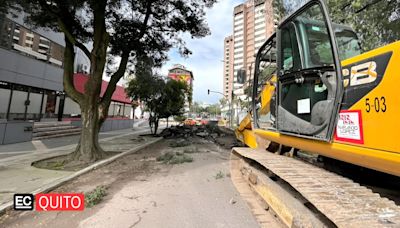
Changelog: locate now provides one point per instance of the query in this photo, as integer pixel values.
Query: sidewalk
(26, 147)
(18, 176)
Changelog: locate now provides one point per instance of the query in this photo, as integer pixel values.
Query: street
(142, 192)
(173, 113)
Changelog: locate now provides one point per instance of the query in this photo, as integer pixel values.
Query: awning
(119, 94)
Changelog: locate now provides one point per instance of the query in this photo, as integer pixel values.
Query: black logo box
(23, 202)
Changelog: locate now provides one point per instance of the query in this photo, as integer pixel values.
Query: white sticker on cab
(303, 106)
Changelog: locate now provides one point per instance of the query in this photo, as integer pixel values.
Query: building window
(260, 29)
(16, 37)
(259, 23)
(44, 45)
(259, 35)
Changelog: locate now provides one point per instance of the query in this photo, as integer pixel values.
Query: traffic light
(208, 92)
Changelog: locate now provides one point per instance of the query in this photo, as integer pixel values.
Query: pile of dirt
(174, 158)
(174, 132)
(185, 134)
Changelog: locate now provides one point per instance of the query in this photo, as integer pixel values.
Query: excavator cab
(300, 71)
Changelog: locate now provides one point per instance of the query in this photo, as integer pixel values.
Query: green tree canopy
(376, 22)
(163, 98)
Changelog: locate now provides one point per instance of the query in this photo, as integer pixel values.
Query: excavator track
(303, 195)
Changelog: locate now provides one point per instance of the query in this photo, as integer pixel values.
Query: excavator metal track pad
(303, 195)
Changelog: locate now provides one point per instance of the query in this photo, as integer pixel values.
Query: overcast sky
(205, 62)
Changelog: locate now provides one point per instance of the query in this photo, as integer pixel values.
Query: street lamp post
(230, 105)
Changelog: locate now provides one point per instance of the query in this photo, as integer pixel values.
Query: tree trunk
(88, 148)
(151, 123)
(156, 125)
(167, 122)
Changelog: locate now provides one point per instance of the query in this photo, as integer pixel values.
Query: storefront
(21, 102)
(120, 106)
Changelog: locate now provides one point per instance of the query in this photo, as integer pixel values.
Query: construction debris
(180, 143)
(184, 135)
(177, 132)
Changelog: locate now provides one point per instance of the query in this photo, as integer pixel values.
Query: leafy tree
(377, 22)
(179, 119)
(189, 94)
(248, 91)
(114, 28)
(195, 108)
(284, 8)
(162, 98)
(223, 101)
(213, 109)
(146, 86)
(172, 101)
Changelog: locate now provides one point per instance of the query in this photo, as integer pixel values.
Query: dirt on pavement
(64, 162)
(143, 192)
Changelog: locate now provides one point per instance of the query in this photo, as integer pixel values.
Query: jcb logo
(360, 74)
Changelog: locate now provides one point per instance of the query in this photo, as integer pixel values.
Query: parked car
(189, 121)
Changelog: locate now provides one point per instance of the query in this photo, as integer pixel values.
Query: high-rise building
(228, 68)
(253, 23)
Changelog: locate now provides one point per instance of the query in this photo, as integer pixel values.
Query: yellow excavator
(314, 91)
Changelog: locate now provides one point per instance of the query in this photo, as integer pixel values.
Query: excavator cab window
(265, 85)
(290, 50)
(308, 88)
(348, 43)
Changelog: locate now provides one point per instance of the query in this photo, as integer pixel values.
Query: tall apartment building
(253, 23)
(228, 67)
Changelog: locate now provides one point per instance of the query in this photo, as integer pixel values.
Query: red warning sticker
(349, 127)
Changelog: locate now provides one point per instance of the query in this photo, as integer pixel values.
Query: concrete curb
(48, 187)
